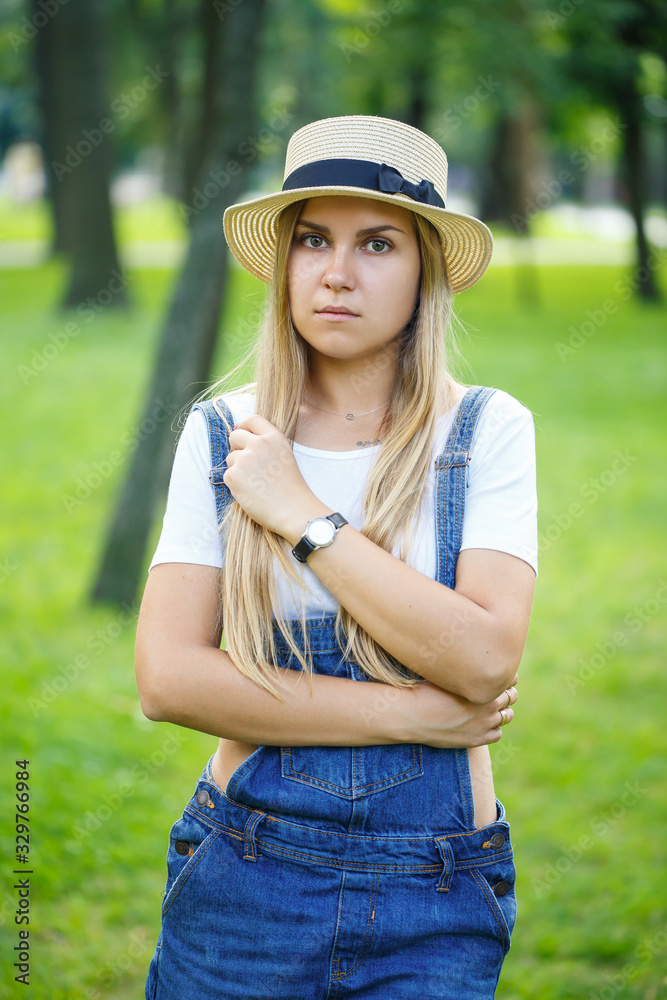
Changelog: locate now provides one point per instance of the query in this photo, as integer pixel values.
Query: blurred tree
(70, 61)
(163, 30)
(606, 41)
(191, 325)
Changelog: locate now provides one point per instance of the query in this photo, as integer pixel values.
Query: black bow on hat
(392, 181)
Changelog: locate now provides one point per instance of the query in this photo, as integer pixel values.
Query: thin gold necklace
(348, 416)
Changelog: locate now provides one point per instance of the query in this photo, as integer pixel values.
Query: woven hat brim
(251, 231)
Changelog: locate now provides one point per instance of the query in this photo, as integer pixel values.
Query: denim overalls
(322, 873)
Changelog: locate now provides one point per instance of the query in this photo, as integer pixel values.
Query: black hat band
(361, 174)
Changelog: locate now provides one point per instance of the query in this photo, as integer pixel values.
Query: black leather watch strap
(303, 547)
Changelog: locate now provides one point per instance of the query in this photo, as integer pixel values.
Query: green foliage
(107, 784)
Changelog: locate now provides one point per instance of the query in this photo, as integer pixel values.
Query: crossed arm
(466, 642)
(185, 678)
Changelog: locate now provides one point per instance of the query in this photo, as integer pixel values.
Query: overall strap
(218, 438)
(451, 471)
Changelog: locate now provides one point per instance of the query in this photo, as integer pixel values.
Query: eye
(383, 244)
(311, 236)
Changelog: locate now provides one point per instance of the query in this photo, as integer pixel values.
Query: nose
(339, 269)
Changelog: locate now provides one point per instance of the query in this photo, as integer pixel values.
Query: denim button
(182, 847)
(497, 841)
(501, 888)
(203, 798)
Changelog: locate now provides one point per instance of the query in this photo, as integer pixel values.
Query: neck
(347, 388)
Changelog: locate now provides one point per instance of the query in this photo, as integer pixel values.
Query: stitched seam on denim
(214, 454)
(395, 779)
(469, 833)
(366, 943)
(495, 909)
(217, 434)
(215, 824)
(362, 866)
(187, 871)
(243, 769)
(482, 862)
(334, 977)
(466, 790)
(284, 649)
(365, 838)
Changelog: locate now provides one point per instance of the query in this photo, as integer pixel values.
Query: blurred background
(126, 128)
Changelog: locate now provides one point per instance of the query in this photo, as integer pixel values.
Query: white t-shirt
(500, 508)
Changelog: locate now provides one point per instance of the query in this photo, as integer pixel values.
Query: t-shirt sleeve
(501, 501)
(190, 524)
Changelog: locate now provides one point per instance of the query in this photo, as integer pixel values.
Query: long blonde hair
(396, 481)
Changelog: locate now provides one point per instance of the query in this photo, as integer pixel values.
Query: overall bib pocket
(352, 772)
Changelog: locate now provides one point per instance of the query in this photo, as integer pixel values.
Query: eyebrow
(361, 232)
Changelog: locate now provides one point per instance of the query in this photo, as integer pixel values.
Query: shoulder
(239, 404)
(502, 417)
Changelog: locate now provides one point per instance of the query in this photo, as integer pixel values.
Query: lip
(337, 312)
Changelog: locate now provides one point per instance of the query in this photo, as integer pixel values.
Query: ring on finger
(503, 716)
(509, 698)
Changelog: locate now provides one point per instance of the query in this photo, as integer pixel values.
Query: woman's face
(357, 254)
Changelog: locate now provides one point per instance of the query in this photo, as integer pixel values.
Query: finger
(256, 424)
(504, 716)
(239, 438)
(504, 700)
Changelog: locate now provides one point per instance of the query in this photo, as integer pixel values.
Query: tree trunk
(188, 341)
(510, 194)
(632, 156)
(43, 58)
(79, 130)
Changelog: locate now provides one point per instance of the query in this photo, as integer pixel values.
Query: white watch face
(320, 531)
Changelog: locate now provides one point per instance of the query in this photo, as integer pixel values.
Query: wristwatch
(319, 533)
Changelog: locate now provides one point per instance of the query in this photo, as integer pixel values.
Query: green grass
(156, 218)
(582, 767)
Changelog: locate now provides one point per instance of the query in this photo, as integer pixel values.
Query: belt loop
(447, 855)
(249, 846)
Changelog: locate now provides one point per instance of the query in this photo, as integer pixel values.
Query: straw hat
(370, 157)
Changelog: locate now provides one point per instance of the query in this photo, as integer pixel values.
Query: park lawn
(581, 769)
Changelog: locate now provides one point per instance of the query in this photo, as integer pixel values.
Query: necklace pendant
(350, 416)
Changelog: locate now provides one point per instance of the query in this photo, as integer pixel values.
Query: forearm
(435, 631)
(201, 688)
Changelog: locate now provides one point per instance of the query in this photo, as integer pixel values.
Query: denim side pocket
(496, 884)
(189, 840)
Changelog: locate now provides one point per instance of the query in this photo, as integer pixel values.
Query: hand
(264, 478)
(441, 719)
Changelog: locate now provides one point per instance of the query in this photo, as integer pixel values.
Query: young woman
(358, 515)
